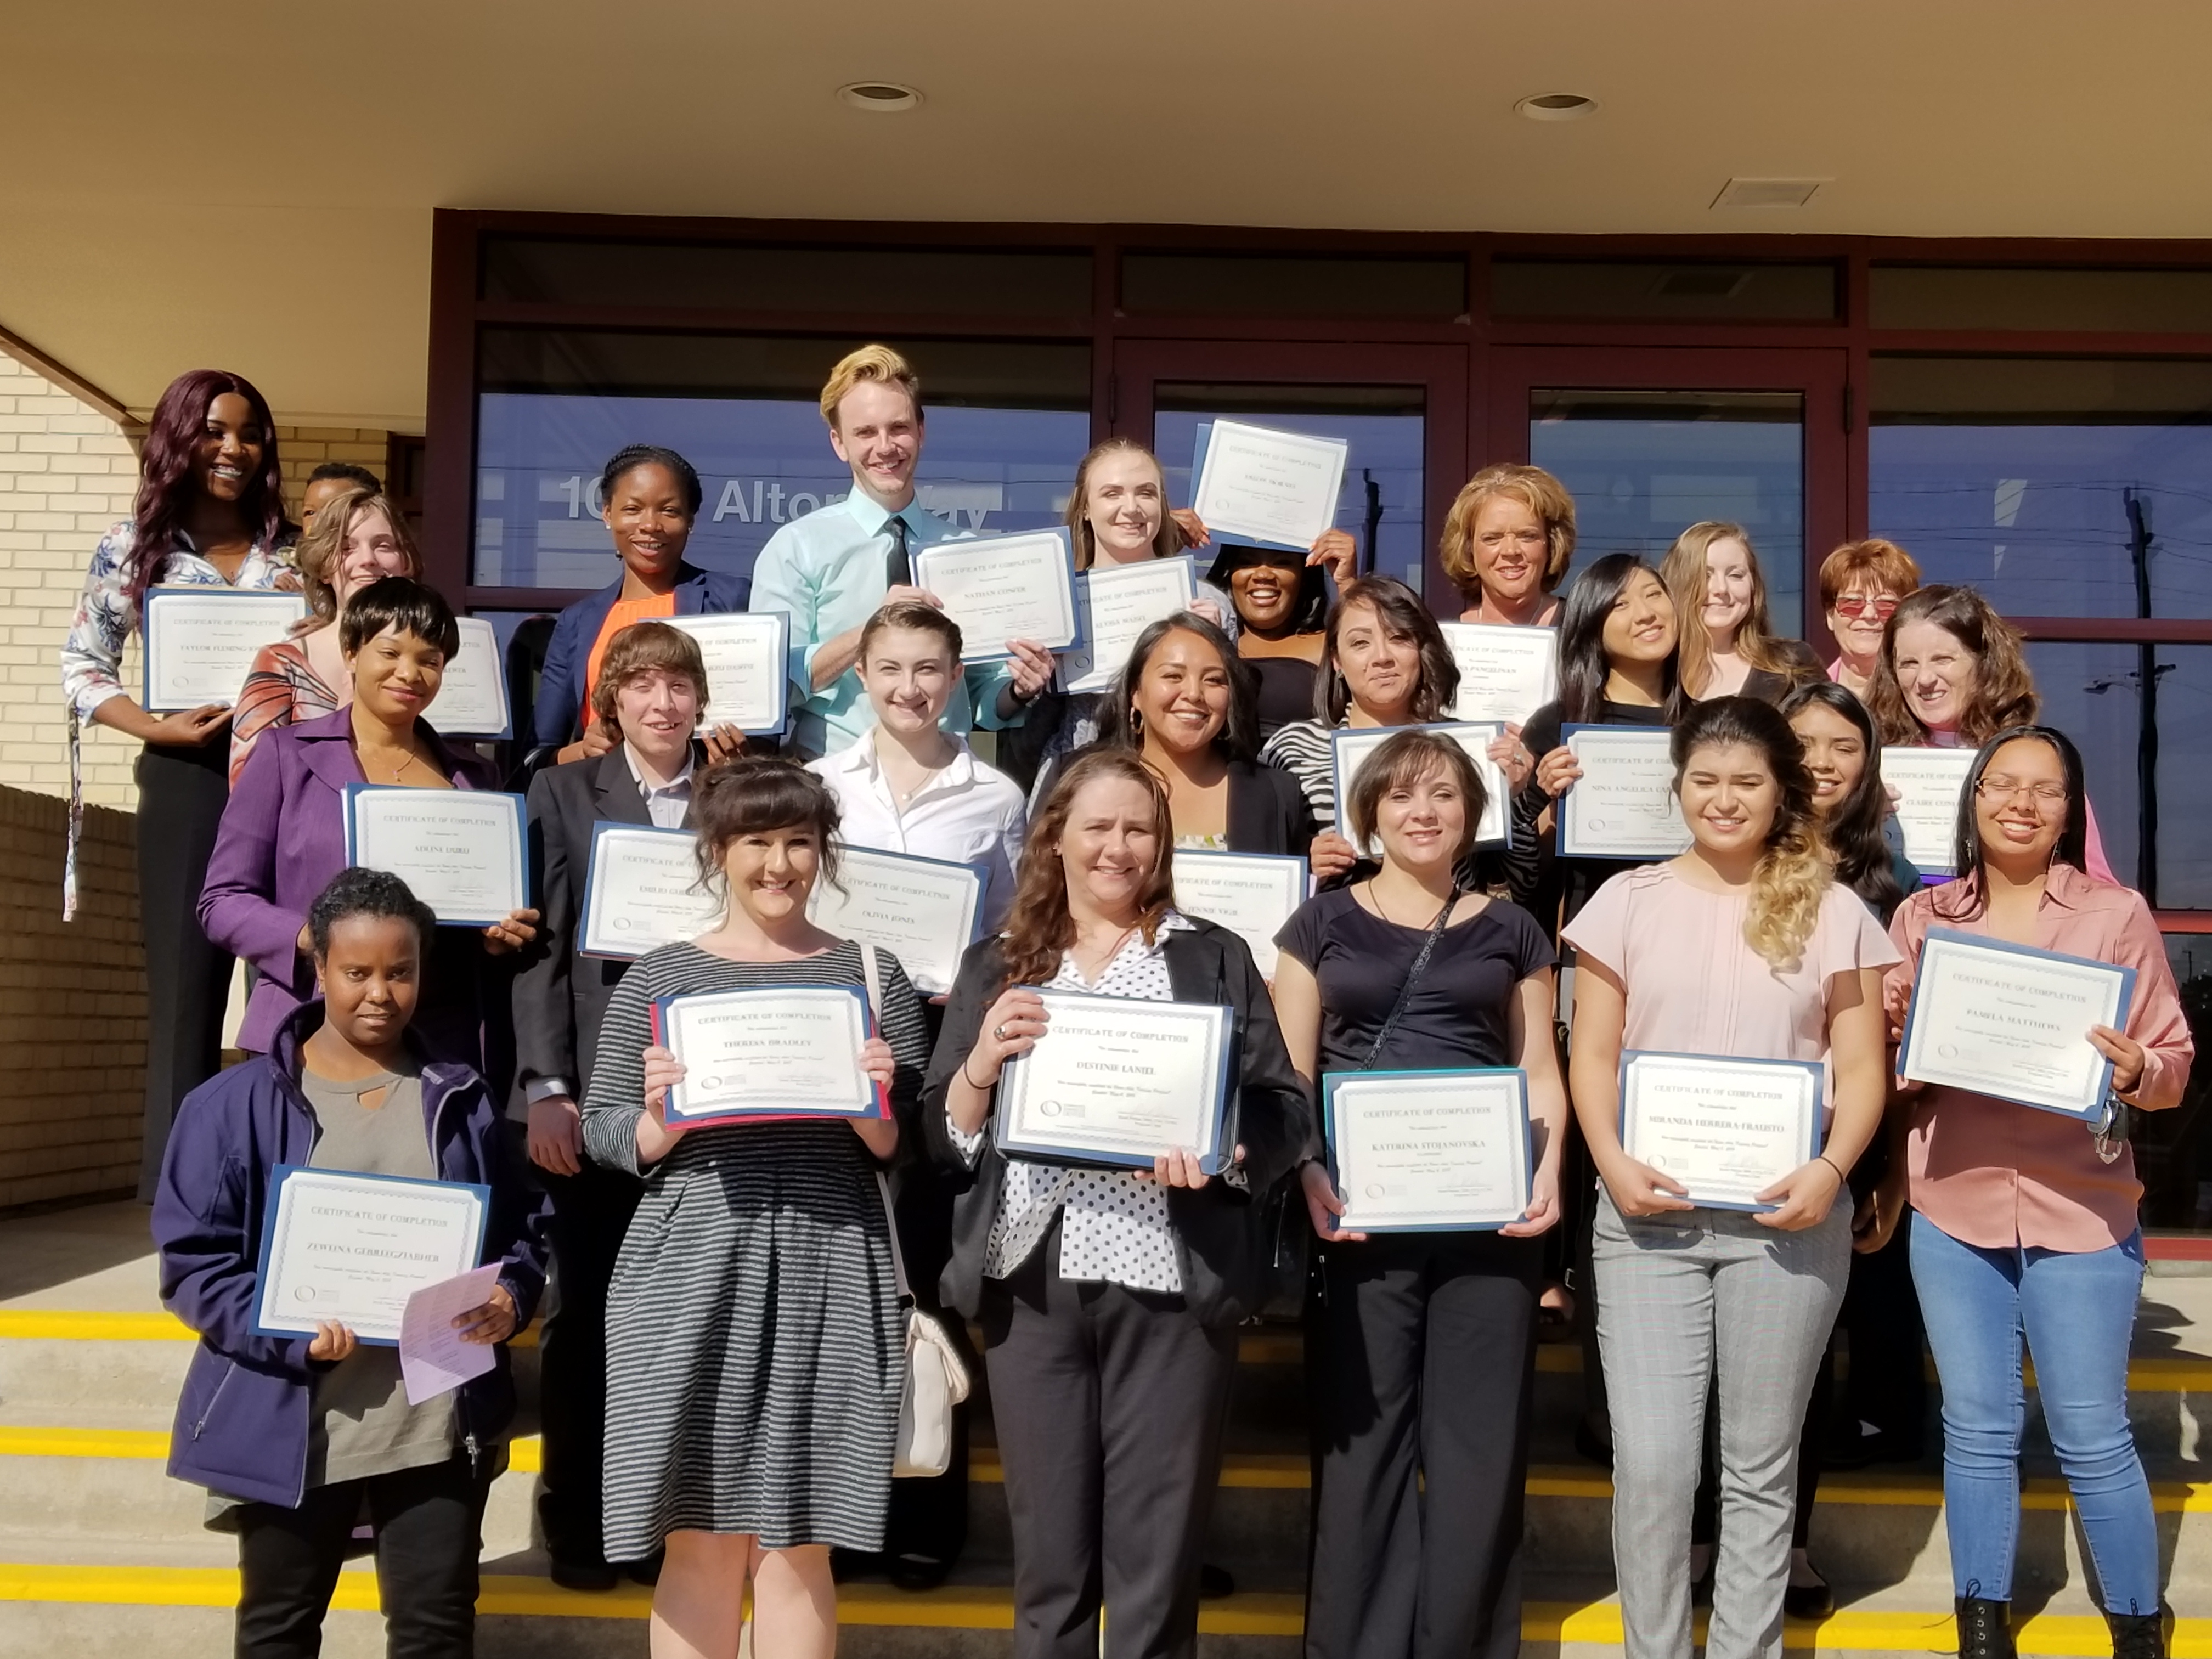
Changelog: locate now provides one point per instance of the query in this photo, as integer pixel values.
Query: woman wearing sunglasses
(1861, 583)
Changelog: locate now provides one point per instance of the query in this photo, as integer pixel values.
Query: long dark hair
(1583, 665)
(1792, 876)
(1040, 926)
(1968, 856)
(1402, 612)
(1852, 827)
(166, 485)
(1239, 737)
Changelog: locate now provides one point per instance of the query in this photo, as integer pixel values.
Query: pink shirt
(1995, 1174)
(2099, 865)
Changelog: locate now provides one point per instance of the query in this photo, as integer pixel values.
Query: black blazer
(1267, 810)
(1222, 1241)
(560, 998)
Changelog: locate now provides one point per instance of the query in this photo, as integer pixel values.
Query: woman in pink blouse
(2023, 1221)
(1788, 967)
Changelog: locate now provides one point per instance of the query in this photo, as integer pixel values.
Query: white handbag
(936, 1377)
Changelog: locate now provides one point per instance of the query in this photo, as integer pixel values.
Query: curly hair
(1041, 927)
(1792, 874)
(2004, 691)
(1536, 489)
(166, 483)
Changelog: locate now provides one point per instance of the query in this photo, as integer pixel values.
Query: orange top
(1995, 1174)
(652, 607)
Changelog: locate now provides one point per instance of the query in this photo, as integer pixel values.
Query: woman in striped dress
(754, 1348)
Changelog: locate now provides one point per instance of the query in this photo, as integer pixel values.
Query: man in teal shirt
(833, 569)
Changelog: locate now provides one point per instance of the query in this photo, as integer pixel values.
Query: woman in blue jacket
(302, 1434)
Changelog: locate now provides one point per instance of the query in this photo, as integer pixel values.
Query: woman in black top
(1420, 1345)
(1282, 605)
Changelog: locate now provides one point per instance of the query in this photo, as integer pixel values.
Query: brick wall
(69, 1110)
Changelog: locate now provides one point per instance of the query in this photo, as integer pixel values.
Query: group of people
(722, 1372)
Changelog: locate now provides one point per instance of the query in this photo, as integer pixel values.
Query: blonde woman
(1713, 575)
(1507, 543)
(1789, 967)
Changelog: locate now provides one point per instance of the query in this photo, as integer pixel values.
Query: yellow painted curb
(63, 1325)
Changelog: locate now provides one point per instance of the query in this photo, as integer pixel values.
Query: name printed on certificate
(1928, 785)
(1280, 487)
(1250, 894)
(1623, 806)
(1118, 1081)
(643, 891)
(351, 1248)
(923, 911)
(1505, 673)
(789, 1051)
(1004, 588)
(459, 850)
(2014, 1023)
(471, 700)
(200, 642)
(1120, 602)
(1350, 747)
(1726, 1129)
(748, 668)
(1428, 1151)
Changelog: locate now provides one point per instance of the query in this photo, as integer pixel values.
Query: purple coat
(281, 840)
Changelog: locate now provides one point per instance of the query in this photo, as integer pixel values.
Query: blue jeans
(2078, 1312)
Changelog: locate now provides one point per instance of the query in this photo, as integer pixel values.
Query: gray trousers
(1681, 1297)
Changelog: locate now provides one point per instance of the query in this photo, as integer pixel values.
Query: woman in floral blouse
(209, 513)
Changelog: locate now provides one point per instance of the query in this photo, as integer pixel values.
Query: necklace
(398, 771)
(1375, 893)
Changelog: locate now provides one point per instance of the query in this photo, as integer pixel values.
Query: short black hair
(351, 473)
(636, 455)
(402, 605)
(377, 894)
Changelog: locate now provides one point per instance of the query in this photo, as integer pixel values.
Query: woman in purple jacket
(283, 831)
(303, 1434)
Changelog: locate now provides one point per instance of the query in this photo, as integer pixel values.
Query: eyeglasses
(1856, 605)
(2042, 796)
(1492, 540)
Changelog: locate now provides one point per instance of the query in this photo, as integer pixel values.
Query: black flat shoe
(1214, 1584)
(914, 1571)
(592, 1578)
(1809, 1600)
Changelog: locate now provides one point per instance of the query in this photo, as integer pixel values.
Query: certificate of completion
(1505, 673)
(1002, 588)
(1251, 484)
(1351, 745)
(1118, 1081)
(201, 642)
(1428, 1152)
(780, 1052)
(643, 891)
(1623, 806)
(459, 850)
(923, 911)
(2012, 1022)
(748, 670)
(471, 700)
(352, 1249)
(1250, 894)
(1726, 1129)
(1121, 601)
(1930, 783)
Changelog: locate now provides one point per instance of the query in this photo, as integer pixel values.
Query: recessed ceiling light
(884, 96)
(1556, 106)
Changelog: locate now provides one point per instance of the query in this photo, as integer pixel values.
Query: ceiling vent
(1767, 192)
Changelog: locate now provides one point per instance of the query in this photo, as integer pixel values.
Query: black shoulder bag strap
(1412, 978)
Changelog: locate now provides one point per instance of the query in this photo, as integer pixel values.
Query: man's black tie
(898, 564)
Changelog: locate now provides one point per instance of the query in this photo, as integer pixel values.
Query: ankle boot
(1984, 1628)
(2138, 1635)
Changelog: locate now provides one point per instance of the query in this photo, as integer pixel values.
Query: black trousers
(929, 1517)
(181, 795)
(1888, 1383)
(1110, 1404)
(1420, 1366)
(428, 1534)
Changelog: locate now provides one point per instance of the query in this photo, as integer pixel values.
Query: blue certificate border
(599, 830)
(1566, 815)
(1816, 1138)
(780, 621)
(1037, 1151)
(520, 843)
(876, 1109)
(505, 699)
(198, 591)
(284, 1172)
(981, 872)
(1332, 1081)
(1203, 441)
(1336, 779)
(1077, 607)
(1208, 854)
(2005, 947)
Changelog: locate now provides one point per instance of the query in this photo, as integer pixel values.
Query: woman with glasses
(2024, 1221)
(1861, 583)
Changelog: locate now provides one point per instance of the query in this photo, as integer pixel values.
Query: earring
(1136, 722)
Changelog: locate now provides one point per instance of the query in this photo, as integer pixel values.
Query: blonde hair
(323, 546)
(1536, 489)
(878, 363)
(1794, 872)
(1683, 572)
(1167, 540)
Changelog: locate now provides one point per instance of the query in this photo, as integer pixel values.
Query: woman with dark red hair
(209, 513)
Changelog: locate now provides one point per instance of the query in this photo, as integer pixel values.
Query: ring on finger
(998, 1032)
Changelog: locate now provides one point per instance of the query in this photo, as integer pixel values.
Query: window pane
(1290, 285)
(1645, 465)
(1964, 296)
(1656, 287)
(2047, 483)
(889, 280)
(2169, 1151)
